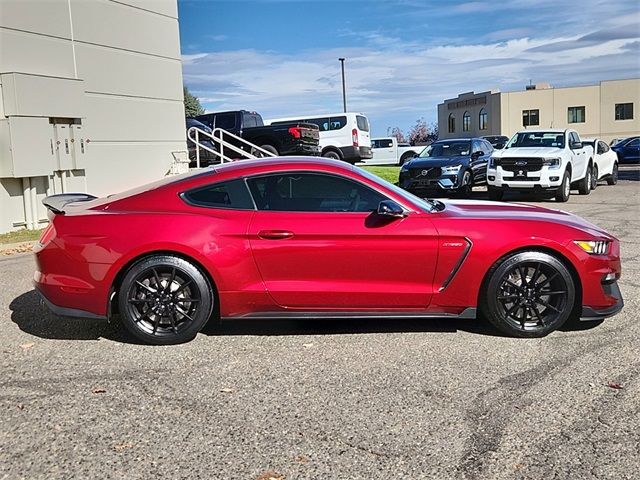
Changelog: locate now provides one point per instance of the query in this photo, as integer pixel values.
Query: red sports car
(315, 238)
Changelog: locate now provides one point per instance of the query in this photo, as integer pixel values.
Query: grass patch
(390, 174)
(20, 236)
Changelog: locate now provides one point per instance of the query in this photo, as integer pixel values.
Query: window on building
(482, 119)
(576, 115)
(466, 122)
(452, 123)
(530, 117)
(624, 111)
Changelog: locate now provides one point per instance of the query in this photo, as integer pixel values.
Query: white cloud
(395, 82)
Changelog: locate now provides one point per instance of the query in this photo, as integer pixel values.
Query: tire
(161, 316)
(405, 157)
(467, 182)
(613, 178)
(594, 177)
(495, 194)
(528, 294)
(333, 154)
(584, 185)
(268, 148)
(564, 190)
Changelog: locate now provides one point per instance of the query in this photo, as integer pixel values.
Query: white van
(343, 136)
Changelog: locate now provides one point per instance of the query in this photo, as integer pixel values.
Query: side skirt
(467, 313)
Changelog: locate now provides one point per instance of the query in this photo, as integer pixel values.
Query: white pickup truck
(550, 160)
(387, 151)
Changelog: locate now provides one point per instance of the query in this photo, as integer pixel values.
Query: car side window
(487, 147)
(232, 194)
(226, 121)
(633, 143)
(312, 192)
(602, 148)
(476, 146)
(336, 123)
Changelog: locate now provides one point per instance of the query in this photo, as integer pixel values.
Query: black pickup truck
(291, 139)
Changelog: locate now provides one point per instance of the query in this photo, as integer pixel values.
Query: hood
(526, 152)
(421, 162)
(519, 211)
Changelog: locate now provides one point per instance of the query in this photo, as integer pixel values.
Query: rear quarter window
(232, 194)
(363, 123)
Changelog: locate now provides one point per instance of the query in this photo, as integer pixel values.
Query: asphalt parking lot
(330, 399)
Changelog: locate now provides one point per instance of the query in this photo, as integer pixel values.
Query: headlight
(451, 169)
(594, 247)
(551, 162)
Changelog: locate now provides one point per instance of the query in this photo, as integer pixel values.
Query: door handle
(275, 234)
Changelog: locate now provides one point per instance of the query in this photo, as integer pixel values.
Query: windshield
(424, 205)
(537, 139)
(454, 148)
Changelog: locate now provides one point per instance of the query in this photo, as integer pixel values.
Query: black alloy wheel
(594, 177)
(530, 294)
(165, 300)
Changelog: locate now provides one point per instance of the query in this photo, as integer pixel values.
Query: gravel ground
(330, 399)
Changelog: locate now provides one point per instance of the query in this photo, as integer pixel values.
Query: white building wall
(127, 122)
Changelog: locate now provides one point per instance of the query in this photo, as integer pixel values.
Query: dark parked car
(206, 157)
(291, 139)
(497, 141)
(453, 165)
(628, 150)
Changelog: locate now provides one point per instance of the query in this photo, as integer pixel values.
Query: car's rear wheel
(613, 178)
(594, 177)
(165, 300)
(564, 190)
(332, 154)
(528, 294)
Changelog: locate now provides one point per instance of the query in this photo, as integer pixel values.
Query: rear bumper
(67, 312)
(304, 149)
(355, 154)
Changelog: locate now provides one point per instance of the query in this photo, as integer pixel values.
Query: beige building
(608, 110)
(90, 100)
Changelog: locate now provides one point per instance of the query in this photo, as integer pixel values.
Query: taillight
(48, 235)
(295, 131)
(354, 137)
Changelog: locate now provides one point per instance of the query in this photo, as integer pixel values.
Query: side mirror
(575, 145)
(389, 208)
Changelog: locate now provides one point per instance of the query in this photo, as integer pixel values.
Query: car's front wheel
(528, 294)
(165, 300)
(564, 190)
(613, 178)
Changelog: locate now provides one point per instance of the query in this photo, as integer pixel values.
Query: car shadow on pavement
(30, 314)
(32, 317)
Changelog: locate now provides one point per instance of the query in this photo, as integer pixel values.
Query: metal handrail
(218, 139)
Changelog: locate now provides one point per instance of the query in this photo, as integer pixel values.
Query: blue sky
(279, 57)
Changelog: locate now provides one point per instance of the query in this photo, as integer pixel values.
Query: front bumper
(594, 313)
(443, 183)
(543, 179)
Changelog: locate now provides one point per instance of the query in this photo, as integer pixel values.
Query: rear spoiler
(57, 203)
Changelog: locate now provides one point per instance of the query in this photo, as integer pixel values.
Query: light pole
(344, 90)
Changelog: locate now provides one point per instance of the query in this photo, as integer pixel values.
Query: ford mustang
(316, 238)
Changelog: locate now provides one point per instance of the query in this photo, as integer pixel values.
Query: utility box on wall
(26, 147)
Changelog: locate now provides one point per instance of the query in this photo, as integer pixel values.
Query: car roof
(539, 130)
(281, 161)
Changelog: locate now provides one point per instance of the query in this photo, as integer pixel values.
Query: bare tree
(397, 133)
